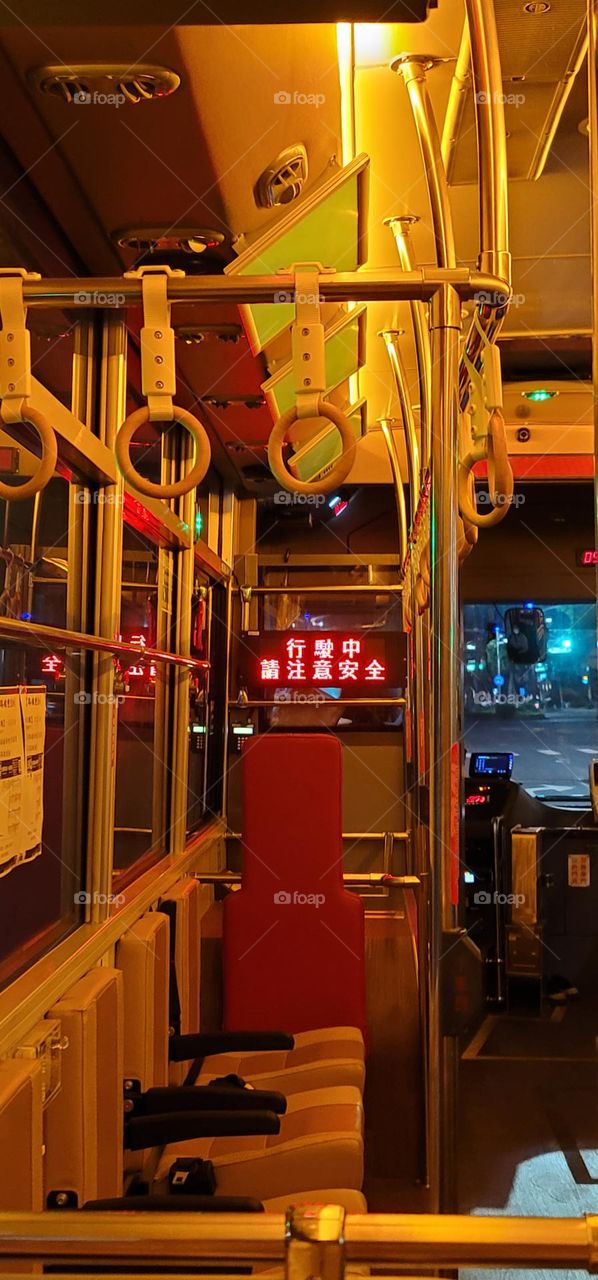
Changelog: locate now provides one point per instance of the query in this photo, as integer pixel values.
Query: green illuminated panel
(327, 226)
(344, 356)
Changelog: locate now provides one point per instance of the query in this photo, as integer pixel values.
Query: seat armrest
(182, 1126)
(208, 1098)
(182, 1048)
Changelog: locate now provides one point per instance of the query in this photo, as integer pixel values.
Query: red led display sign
(587, 558)
(358, 661)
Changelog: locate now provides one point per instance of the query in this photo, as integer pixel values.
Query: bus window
(545, 712)
(48, 876)
(200, 706)
(140, 816)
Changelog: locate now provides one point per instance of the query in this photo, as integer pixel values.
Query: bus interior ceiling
(308, 687)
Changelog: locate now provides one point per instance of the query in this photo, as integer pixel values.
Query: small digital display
(586, 559)
(357, 662)
(495, 764)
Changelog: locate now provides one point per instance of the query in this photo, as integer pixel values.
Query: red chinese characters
(319, 660)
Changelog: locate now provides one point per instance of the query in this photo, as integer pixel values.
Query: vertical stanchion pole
(77, 604)
(445, 753)
(593, 143)
(104, 722)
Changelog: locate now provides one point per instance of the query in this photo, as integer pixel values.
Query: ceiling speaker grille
(284, 179)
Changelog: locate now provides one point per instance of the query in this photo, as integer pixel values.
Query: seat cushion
(320, 1141)
(326, 1057)
(352, 1201)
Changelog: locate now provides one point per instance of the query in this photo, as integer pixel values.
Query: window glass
(545, 711)
(140, 814)
(41, 875)
(200, 720)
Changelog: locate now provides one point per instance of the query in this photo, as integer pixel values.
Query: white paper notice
(22, 739)
(33, 712)
(12, 769)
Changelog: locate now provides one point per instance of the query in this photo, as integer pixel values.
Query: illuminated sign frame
(359, 662)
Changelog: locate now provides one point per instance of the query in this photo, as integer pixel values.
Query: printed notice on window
(33, 716)
(22, 738)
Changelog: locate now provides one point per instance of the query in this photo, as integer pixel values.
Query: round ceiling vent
(192, 240)
(284, 179)
(105, 84)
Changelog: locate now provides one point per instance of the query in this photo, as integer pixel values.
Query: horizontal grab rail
(348, 835)
(374, 588)
(351, 880)
(326, 703)
(387, 285)
(402, 1239)
(39, 634)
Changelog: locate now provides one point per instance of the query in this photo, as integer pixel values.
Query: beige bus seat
(21, 1136)
(84, 1120)
(321, 1134)
(319, 1143)
(319, 1059)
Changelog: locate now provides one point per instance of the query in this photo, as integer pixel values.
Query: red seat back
(294, 946)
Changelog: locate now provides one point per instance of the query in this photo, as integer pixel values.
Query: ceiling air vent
(106, 84)
(284, 179)
(168, 240)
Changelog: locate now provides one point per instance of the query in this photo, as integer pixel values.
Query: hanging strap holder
(486, 390)
(307, 338)
(158, 368)
(15, 343)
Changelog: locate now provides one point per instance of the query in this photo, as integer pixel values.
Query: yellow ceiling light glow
(346, 66)
(375, 43)
(345, 44)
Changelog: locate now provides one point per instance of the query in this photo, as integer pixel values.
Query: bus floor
(528, 1118)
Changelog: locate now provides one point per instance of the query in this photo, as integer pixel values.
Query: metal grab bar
(385, 285)
(357, 880)
(35, 633)
(316, 703)
(376, 1239)
(347, 835)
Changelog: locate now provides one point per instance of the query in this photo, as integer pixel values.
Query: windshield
(545, 712)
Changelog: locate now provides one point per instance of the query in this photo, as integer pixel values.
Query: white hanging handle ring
(16, 384)
(340, 468)
(158, 384)
(201, 459)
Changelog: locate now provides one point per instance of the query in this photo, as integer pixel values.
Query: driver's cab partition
(552, 929)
